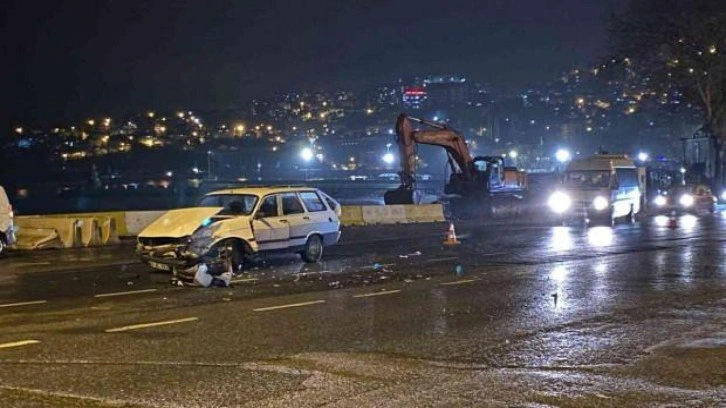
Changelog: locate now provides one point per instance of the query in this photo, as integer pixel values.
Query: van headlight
(723, 196)
(559, 202)
(660, 201)
(686, 200)
(600, 203)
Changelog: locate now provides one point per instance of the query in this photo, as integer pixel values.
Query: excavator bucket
(399, 196)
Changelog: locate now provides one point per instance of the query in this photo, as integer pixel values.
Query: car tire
(234, 256)
(313, 249)
(3, 244)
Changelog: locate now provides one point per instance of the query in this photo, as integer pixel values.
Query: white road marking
(241, 280)
(459, 282)
(34, 302)
(154, 324)
(265, 309)
(18, 343)
(388, 292)
(32, 263)
(450, 258)
(130, 292)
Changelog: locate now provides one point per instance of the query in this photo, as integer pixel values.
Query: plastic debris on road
(417, 253)
(459, 270)
(202, 277)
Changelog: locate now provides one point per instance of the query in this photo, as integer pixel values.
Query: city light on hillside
(19, 130)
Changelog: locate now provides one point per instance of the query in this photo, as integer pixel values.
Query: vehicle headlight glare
(686, 200)
(660, 201)
(723, 196)
(559, 202)
(600, 203)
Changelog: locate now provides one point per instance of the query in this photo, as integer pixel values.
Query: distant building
(414, 97)
(446, 91)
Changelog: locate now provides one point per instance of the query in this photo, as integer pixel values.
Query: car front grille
(162, 241)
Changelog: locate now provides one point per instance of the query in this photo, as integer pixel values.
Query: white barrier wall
(138, 220)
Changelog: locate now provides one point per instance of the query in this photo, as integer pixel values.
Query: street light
(307, 154)
(209, 164)
(562, 155)
(643, 157)
(513, 154)
(388, 158)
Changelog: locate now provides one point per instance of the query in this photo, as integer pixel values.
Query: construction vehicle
(473, 183)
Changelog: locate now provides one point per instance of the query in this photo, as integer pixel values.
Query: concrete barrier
(38, 238)
(424, 213)
(65, 227)
(109, 231)
(118, 216)
(383, 214)
(136, 221)
(90, 231)
(351, 215)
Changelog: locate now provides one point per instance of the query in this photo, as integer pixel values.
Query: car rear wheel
(313, 249)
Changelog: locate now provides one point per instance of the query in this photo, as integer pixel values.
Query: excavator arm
(437, 135)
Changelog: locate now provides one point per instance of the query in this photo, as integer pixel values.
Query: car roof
(262, 190)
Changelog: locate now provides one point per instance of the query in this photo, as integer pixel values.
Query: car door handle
(306, 218)
(283, 221)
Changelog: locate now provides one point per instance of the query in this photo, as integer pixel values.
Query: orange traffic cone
(451, 236)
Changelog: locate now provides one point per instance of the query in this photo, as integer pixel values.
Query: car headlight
(686, 200)
(723, 196)
(202, 233)
(201, 241)
(660, 201)
(559, 202)
(600, 203)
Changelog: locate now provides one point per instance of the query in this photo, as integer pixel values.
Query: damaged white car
(231, 226)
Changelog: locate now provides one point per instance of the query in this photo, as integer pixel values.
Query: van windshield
(587, 179)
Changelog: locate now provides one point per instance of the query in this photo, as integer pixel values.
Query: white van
(601, 188)
(7, 229)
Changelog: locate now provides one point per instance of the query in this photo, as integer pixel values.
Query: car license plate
(161, 266)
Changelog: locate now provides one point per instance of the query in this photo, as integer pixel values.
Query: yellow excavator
(473, 182)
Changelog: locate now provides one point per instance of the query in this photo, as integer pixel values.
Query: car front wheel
(313, 249)
(3, 245)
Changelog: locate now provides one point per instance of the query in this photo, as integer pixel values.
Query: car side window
(332, 204)
(268, 208)
(312, 201)
(291, 204)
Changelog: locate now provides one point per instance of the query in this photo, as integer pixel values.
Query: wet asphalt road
(534, 316)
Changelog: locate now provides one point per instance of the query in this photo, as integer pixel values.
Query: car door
(297, 217)
(321, 219)
(270, 228)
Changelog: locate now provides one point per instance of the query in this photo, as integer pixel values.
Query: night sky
(69, 59)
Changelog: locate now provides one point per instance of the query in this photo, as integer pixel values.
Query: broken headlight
(201, 241)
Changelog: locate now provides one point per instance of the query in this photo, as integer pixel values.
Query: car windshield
(233, 204)
(587, 179)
